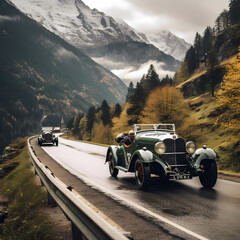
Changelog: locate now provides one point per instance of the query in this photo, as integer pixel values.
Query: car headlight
(160, 148)
(190, 147)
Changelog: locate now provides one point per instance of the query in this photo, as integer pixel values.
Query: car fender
(203, 153)
(162, 164)
(112, 149)
(144, 155)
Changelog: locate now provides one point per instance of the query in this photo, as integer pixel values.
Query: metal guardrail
(89, 222)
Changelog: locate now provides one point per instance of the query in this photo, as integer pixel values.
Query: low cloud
(131, 74)
(64, 55)
(60, 53)
(110, 64)
(7, 18)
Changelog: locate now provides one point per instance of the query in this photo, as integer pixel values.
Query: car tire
(113, 171)
(209, 177)
(56, 143)
(142, 175)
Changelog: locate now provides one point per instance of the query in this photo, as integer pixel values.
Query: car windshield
(154, 127)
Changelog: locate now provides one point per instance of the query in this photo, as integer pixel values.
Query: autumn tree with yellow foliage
(165, 104)
(120, 124)
(228, 98)
(103, 134)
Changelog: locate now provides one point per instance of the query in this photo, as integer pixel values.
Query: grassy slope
(201, 128)
(26, 216)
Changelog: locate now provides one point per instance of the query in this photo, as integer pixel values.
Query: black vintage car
(47, 137)
(157, 150)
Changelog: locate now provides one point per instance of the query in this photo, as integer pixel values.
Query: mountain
(77, 23)
(134, 53)
(41, 74)
(169, 44)
(93, 31)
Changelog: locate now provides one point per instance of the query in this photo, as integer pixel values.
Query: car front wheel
(209, 177)
(113, 171)
(142, 175)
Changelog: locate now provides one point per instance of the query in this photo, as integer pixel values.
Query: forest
(211, 116)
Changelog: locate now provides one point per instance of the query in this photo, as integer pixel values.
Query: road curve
(210, 214)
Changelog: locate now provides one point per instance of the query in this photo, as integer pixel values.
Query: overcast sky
(182, 17)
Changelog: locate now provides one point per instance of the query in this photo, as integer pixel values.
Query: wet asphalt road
(214, 214)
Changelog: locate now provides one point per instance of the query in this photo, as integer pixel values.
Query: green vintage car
(157, 150)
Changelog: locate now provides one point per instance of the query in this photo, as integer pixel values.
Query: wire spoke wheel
(142, 175)
(113, 171)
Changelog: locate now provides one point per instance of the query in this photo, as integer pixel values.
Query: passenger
(128, 140)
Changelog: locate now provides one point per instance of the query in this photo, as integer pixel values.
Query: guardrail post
(51, 201)
(76, 233)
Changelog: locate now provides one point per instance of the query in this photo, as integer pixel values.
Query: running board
(121, 168)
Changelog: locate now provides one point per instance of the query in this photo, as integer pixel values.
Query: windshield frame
(159, 127)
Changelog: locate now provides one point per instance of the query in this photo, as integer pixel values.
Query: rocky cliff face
(227, 43)
(203, 84)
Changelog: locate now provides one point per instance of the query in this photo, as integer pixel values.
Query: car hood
(154, 136)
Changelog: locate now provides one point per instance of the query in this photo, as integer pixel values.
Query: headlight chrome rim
(160, 148)
(190, 147)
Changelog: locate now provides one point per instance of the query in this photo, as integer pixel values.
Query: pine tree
(234, 11)
(70, 123)
(218, 26)
(166, 81)
(137, 103)
(207, 41)
(90, 118)
(130, 92)
(198, 49)
(212, 74)
(105, 116)
(152, 80)
(143, 79)
(117, 111)
(226, 19)
(76, 129)
(190, 60)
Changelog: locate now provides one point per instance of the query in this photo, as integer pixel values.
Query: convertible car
(47, 137)
(157, 150)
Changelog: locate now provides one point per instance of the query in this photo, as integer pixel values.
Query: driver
(128, 140)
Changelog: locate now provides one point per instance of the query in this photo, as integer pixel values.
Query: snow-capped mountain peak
(169, 43)
(74, 21)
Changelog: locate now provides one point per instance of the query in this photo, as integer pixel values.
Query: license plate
(182, 176)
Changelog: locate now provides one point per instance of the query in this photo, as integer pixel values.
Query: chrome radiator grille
(48, 136)
(175, 154)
